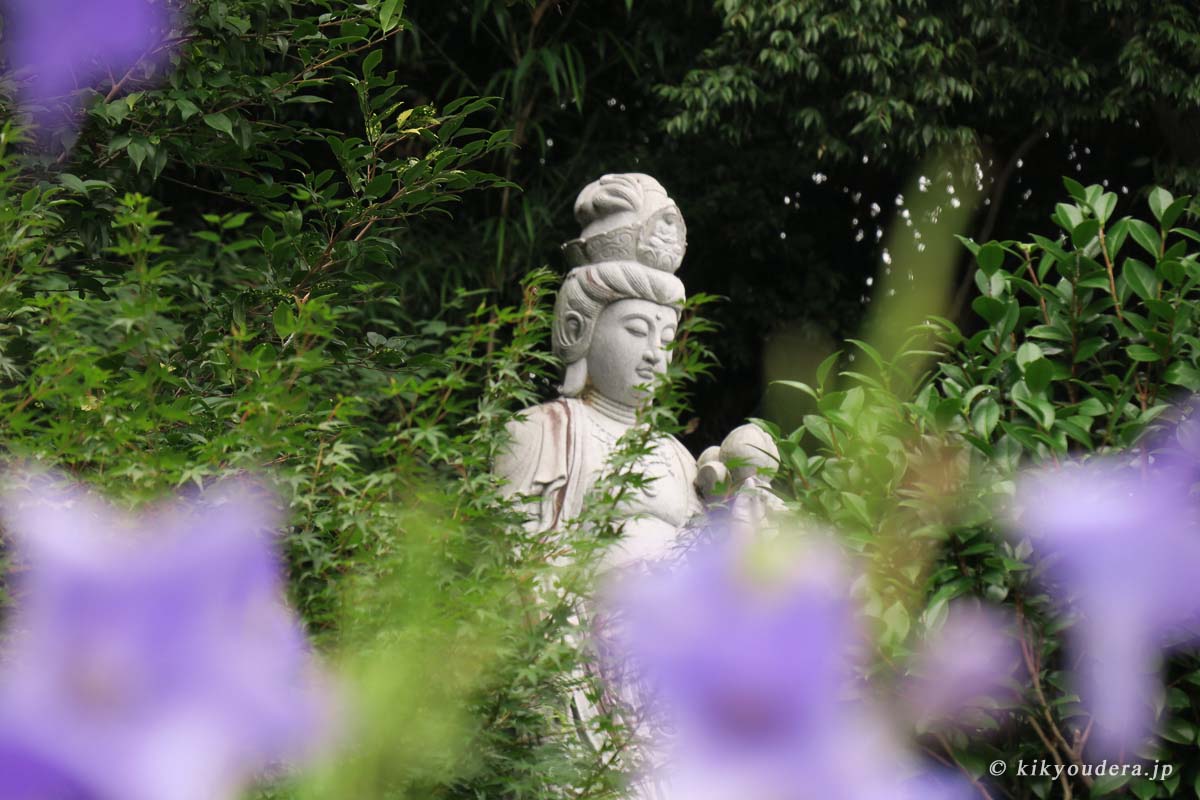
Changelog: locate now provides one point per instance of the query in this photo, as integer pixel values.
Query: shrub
(1083, 340)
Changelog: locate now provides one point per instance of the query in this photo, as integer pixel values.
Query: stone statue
(617, 312)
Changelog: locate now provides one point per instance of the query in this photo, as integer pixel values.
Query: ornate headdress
(628, 217)
(633, 240)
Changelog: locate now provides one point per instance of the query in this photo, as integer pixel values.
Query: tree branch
(989, 222)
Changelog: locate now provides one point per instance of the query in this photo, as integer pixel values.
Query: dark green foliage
(258, 320)
(1086, 336)
(893, 78)
(711, 99)
(247, 265)
(222, 276)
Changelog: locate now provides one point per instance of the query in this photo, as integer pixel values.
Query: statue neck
(617, 412)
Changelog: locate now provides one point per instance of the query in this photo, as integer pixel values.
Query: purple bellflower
(1120, 543)
(151, 658)
(26, 775)
(58, 46)
(962, 665)
(758, 684)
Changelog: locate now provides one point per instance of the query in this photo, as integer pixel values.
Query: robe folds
(558, 451)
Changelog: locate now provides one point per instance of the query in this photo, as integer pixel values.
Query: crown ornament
(628, 217)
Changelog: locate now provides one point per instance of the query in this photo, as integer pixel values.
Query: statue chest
(668, 494)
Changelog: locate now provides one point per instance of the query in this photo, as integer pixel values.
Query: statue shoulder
(536, 423)
(536, 452)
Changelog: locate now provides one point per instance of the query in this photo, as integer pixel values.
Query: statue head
(618, 308)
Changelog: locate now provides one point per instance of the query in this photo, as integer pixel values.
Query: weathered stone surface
(617, 313)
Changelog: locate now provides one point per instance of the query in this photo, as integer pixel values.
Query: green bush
(1083, 339)
(218, 277)
(223, 273)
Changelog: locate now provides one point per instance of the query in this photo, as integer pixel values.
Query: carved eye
(668, 335)
(638, 328)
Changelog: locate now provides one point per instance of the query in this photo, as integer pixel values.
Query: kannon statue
(616, 315)
(614, 320)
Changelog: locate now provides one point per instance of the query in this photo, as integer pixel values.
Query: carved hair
(586, 292)
(612, 194)
(632, 242)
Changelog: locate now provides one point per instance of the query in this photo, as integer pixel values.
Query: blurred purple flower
(1120, 542)
(755, 678)
(964, 662)
(25, 775)
(152, 657)
(63, 45)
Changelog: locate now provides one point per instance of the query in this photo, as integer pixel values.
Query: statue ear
(571, 346)
(573, 327)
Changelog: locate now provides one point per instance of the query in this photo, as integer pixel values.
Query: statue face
(629, 348)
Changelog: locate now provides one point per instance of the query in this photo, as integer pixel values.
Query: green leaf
(1144, 789)
(1075, 189)
(220, 121)
(308, 99)
(896, 621)
(380, 185)
(1038, 375)
(1185, 375)
(389, 14)
(1088, 348)
(984, 416)
(1067, 216)
(1052, 248)
(1028, 353)
(284, 320)
(989, 308)
(825, 366)
(1104, 206)
(1083, 233)
(292, 221)
(799, 386)
(990, 257)
(858, 508)
(235, 221)
(1178, 730)
(187, 109)
(138, 150)
(371, 62)
(1140, 278)
(1140, 352)
(1159, 200)
(947, 411)
(1115, 237)
(1095, 282)
(1173, 271)
(73, 183)
(1145, 235)
(1172, 212)
(1107, 784)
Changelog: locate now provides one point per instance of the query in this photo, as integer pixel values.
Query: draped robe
(558, 451)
